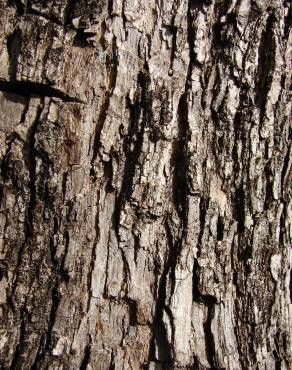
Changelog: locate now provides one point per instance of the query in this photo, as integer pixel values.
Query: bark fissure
(210, 344)
(180, 159)
(266, 64)
(18, 351)
(136, 130)
(112, 76)
(86, 358)
(285, 172)
(30, 159)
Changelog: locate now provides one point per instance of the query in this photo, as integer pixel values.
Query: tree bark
(145, 151)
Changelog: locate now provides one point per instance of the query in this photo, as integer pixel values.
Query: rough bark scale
(145, 184)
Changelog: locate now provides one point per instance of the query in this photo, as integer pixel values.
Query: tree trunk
(145, 153)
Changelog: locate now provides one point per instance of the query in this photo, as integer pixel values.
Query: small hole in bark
(239, 208)
(220, 228)
(132, 311)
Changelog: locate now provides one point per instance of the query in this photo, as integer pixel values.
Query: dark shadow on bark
(19, 6)
(86, 357)
(29, 88)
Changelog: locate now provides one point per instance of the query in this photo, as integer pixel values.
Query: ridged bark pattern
(145, 215)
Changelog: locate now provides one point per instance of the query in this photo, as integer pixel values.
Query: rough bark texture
(145, 194)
